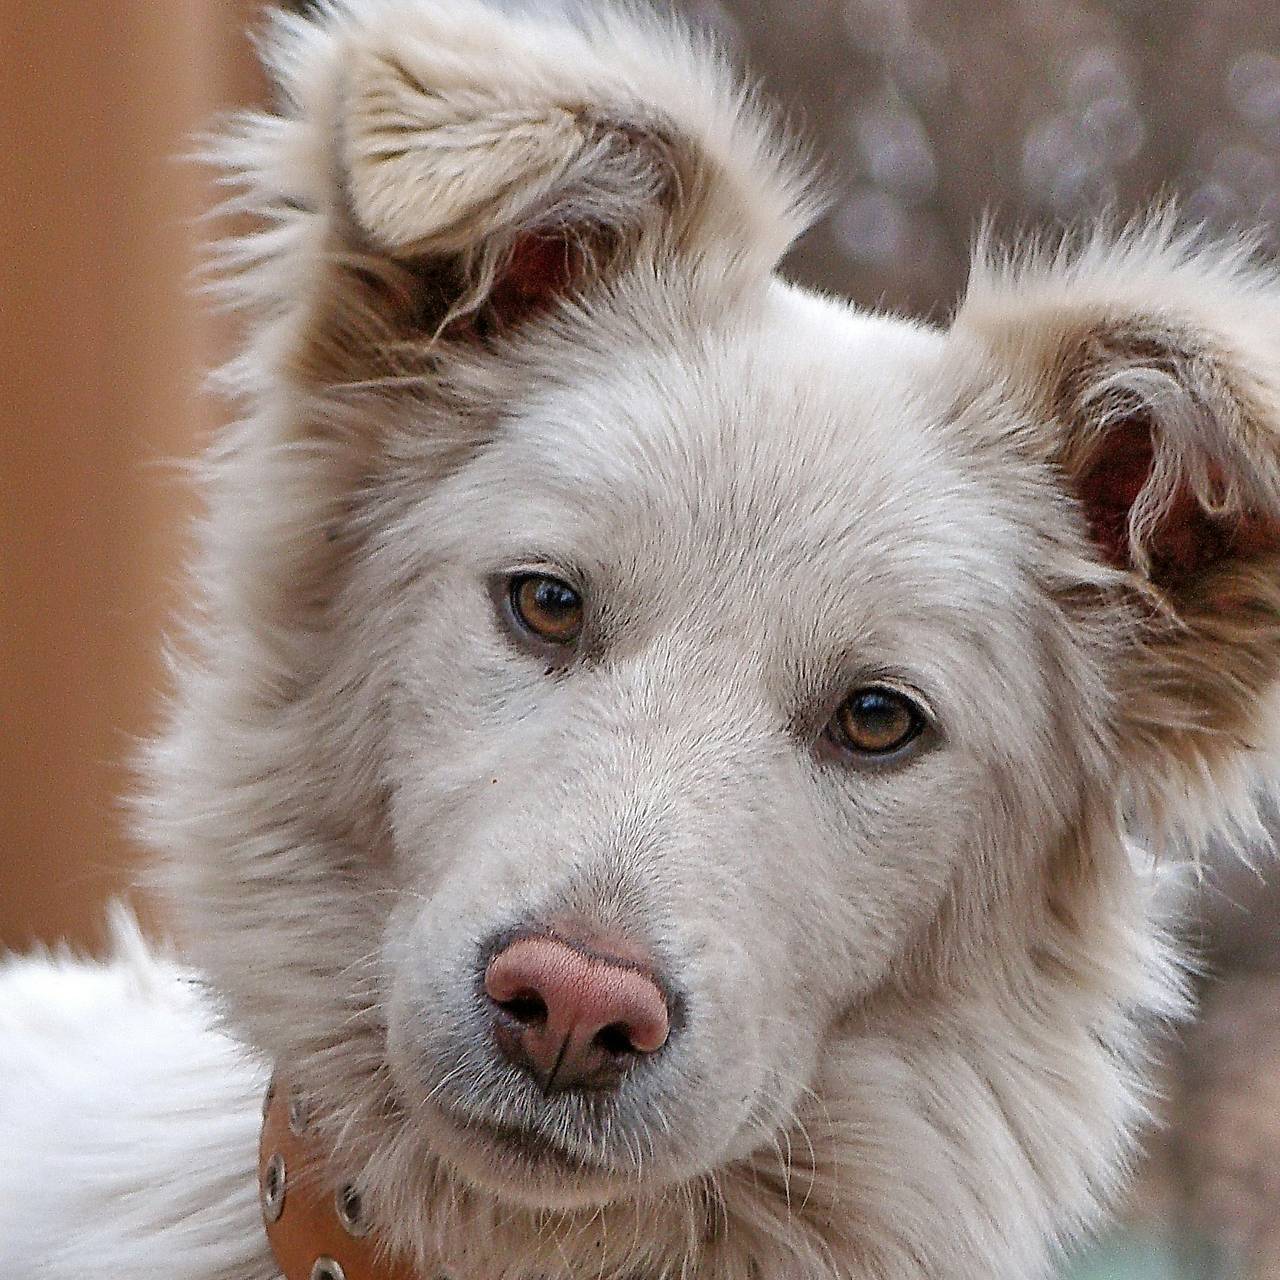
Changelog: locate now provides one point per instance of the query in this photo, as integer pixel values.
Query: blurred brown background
(101, 347)
(928, 113)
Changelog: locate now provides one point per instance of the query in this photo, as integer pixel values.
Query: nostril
(615, 1039)
(526, 1007)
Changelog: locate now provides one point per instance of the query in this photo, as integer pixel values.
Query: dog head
(657, 736)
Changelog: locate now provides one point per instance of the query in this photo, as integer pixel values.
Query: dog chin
(520, 1165)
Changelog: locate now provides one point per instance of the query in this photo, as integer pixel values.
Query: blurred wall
(100, 353)
(932, 115)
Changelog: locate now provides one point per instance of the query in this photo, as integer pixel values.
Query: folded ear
(451, 169)
(1151, 367)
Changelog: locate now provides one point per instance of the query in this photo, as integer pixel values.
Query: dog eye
(546, 607)
(877, 722)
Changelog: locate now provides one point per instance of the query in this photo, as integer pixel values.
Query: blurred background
(928, 114)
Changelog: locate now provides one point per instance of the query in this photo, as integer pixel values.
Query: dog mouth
(518, 1158)
(529, 1146)
(523, 1166)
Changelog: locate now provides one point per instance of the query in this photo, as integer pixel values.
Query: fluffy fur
(512, 306)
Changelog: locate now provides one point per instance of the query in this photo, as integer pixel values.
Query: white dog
(654, 764)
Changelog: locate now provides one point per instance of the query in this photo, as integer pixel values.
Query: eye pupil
(554, 597)
(549, 608)
(877, 721)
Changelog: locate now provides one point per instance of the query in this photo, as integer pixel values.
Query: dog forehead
(802, 433)
(801, 494)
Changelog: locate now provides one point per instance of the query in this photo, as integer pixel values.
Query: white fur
(130, 1123)
(919, 995)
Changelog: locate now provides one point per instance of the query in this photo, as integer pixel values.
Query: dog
(677, 775)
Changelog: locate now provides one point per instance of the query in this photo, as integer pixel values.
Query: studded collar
(316, 1225)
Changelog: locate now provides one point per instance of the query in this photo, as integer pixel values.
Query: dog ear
(1152, 370)
(452, 170)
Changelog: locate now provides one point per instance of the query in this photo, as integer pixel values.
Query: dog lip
(526, 1144)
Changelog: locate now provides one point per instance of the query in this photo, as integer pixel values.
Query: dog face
(764, 754)
(659, 736)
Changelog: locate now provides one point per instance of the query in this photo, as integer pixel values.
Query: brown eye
(549, 608)
(877, 722)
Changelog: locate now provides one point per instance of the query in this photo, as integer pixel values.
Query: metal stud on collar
(327, 1269)
(273, 1188)
(350, 1209)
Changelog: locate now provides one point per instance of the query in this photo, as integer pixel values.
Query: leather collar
(316, 1223)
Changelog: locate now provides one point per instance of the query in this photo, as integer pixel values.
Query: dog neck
(317, 1228)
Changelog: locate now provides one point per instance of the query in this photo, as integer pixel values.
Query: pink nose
(573, 1018)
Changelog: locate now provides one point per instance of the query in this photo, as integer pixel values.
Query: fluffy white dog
(654, 764)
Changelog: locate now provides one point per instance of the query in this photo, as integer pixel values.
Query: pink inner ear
(541, 268)
(1188, 538)
(1111, 485)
